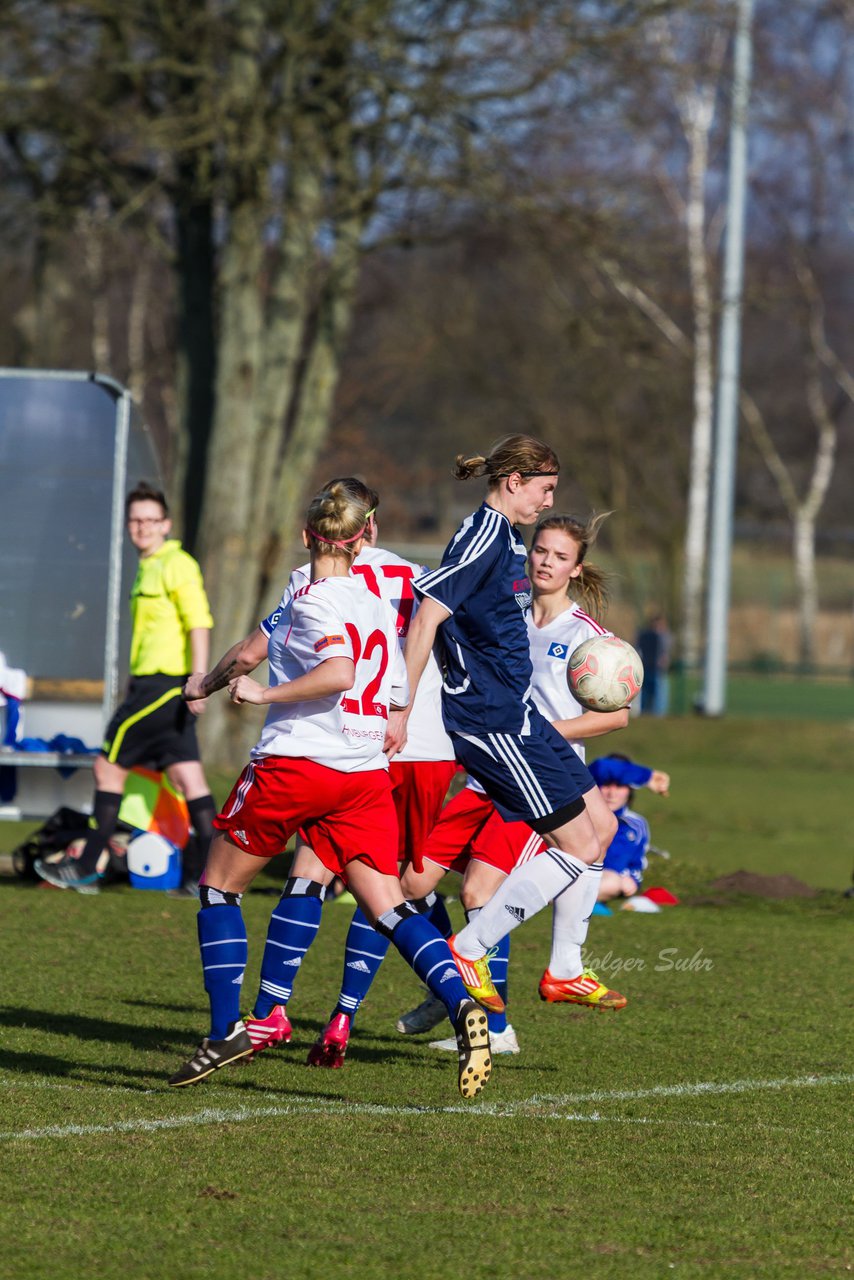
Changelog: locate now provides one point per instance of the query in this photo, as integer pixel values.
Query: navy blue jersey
(483, 584)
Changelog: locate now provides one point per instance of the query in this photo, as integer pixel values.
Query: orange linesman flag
(151, 803)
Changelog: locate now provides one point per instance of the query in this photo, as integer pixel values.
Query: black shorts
(153, 727)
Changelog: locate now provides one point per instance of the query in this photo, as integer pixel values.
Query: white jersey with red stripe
(551, 647)
(389, 576)
(335, 618)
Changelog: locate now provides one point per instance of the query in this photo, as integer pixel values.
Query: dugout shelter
(71, 444)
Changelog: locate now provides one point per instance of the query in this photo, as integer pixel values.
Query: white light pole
(726, 416)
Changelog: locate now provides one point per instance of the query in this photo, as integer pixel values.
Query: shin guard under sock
(223, 947)
(527, 889)
(105, 816)
(499, 961)
(570, 923)
(202, 812)
(364, 952)
(292, 929)
(426, 951)
(438, 915)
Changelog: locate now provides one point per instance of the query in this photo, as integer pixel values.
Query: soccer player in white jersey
(319, 765)
(555, 629)
(420, 777)
(475, 601)
(470, 836)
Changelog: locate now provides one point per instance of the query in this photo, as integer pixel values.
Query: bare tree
(265, 147)
(804, 113)
(804, 509)
(695, 93)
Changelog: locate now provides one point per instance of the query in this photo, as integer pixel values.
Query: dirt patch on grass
(758, 886)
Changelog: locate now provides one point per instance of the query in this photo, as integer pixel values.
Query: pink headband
(332, 542)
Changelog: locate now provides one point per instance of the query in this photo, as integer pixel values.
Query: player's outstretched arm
(592, 724)
(240, 659)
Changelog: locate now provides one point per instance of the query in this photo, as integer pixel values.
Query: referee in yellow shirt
(153, 727)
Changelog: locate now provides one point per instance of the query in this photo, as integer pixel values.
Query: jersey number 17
(405, 602)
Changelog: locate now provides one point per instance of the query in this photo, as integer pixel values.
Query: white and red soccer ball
(604, 673)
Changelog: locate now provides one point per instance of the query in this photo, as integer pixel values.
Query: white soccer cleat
(499, 1042)
(424, 1017)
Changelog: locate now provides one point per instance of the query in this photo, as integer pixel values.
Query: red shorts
(470, 828)
(344, 815)
(418, 789)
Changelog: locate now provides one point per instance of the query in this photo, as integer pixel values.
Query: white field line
(553, 1108)
(697, 1090)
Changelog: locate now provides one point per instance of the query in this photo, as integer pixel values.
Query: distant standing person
(654, 644)
(153, 726)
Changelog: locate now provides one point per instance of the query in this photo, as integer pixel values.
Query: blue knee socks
(426, 951)
(223, 947)
(499, 962)
(292, 929)
(364, 952)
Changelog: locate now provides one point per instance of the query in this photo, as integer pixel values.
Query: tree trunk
(804, 511)
(52, 290)
(196, 364)
(701, 433)
(228, 733)
(808, 511)
(805, 582)
(287, 340)
(140, 296)
(310, 422)
(92, 230)
(230, 514)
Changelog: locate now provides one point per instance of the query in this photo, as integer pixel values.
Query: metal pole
(726, 418)
(114, 578)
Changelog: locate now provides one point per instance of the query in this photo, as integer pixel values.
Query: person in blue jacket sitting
(625, 862)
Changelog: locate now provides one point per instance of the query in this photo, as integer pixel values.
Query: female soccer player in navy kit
(475, 601)
(319, 766)
(470, 836)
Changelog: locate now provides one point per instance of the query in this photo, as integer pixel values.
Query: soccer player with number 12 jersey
(319, 766)
(420, 777)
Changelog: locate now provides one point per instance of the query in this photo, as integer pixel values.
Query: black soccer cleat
(474, 1049)
(213, 1054)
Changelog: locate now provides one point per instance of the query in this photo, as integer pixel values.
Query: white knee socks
(526, 891)
(570, 922)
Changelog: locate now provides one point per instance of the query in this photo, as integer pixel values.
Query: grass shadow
(105, 1031)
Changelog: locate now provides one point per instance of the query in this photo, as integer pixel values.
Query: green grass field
(702, 1132)
(774, 697)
